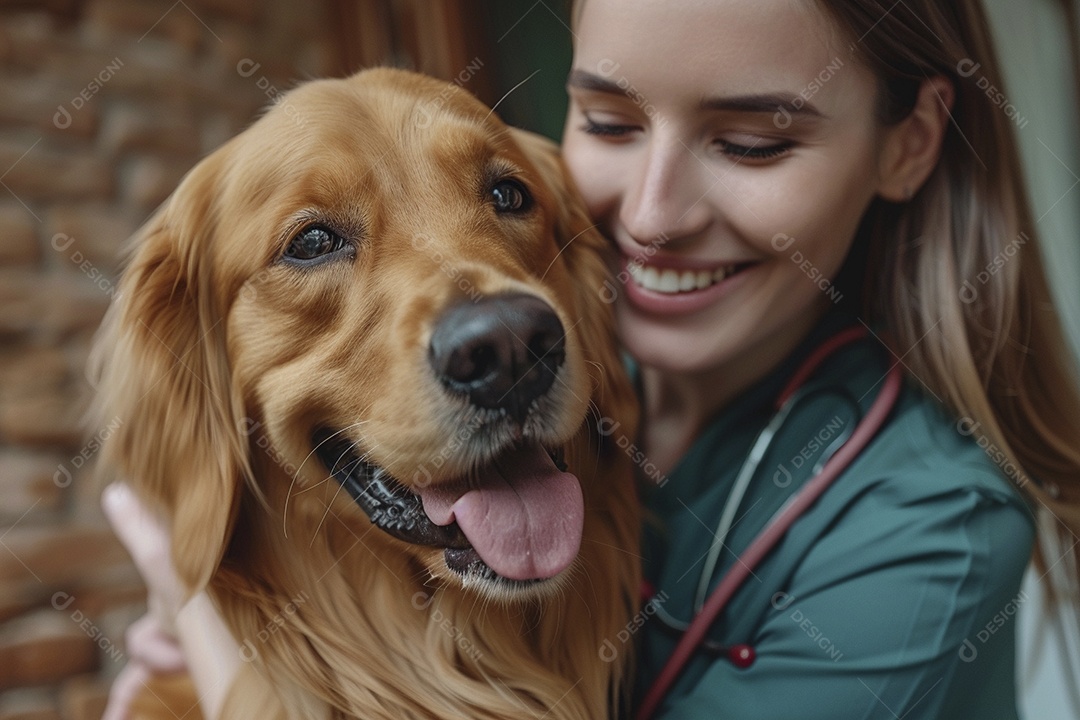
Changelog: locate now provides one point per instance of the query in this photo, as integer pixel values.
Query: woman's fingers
(124, 690)
(143, 534)
(146, 537)
(153, 647)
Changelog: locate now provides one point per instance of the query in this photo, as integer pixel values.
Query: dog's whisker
(568, 242)
(493, 107)
(573, 586)
(323, 518)
(296, 475)
(325, 480)
(617, 549)
(337, 489)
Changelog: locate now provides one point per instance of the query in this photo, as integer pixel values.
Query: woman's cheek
(800, 214)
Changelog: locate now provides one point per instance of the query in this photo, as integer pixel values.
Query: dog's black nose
(502, 351)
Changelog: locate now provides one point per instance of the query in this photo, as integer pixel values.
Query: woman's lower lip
(682, 303)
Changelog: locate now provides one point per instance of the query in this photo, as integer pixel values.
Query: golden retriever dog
(365, 371)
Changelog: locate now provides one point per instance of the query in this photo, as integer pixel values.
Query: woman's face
(729, 149)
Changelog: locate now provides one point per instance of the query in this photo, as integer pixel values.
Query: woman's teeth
(674, 281)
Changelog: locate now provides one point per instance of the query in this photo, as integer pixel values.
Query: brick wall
(104, 104)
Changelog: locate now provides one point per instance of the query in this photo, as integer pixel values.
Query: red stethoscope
(709, 609)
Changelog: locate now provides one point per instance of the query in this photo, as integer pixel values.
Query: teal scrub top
(894, 596)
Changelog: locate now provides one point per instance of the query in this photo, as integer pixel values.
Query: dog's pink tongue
(525, 518)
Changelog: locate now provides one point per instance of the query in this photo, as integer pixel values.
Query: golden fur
(221, 360)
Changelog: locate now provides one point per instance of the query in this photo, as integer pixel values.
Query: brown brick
(31, 368)
(37, 405)
(65, 557)
(17, 598)
(237, 43)
(88, 72)
(111, 590)
(150, 180)
(27, 484)
(168, 129)
(154, 20)
(27, 39)
(243, 11)
(150, 77)
(47, 104)
(96, 231)
(47, 646)
(84, 698)
(113, 623)
(157, 81)
(74, 298)
(46, 419)
(20, 244)
(29, 704)
(36, 172)
(117, 598)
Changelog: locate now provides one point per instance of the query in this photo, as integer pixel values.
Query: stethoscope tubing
(746, 474)
(798, 504)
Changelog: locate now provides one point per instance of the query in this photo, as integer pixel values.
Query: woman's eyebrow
(588, 81)
(763, 103)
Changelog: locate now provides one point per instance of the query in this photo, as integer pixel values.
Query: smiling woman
(771, 175)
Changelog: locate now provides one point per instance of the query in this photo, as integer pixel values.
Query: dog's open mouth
(520, 517)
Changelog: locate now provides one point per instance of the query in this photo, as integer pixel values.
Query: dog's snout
(502, 351)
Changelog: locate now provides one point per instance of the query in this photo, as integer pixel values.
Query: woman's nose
(667, 197)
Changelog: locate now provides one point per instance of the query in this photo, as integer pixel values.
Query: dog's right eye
(510, 196)
(314, 242)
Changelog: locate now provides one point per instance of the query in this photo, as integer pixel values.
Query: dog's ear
(163, 379)
(588, 256)
(571, 216)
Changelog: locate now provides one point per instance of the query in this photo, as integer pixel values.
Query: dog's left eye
(314, 242)
(510, 196)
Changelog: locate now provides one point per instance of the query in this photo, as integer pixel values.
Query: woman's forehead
(688, 52)
(733, 46)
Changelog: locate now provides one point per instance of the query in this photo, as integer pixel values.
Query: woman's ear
(912, 147)
(163, 377)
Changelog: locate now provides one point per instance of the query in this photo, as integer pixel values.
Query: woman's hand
(178, 633)
(152, 646)
(146, 537)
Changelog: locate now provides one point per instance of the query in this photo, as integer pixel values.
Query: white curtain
(1040, 84)
(1033, 44)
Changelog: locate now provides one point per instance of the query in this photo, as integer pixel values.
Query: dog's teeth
(703, 279)
(688, 281)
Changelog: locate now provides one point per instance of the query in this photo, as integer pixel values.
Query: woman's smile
(681, 286)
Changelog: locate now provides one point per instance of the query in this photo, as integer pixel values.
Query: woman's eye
(510, 196)
(606, 129)
(756, 152)
(314, 242)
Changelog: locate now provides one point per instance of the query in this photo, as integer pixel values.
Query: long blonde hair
(956, 274)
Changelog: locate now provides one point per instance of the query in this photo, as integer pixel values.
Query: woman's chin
(674, 348)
